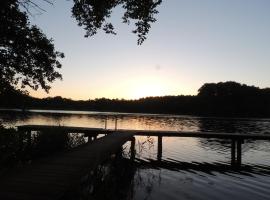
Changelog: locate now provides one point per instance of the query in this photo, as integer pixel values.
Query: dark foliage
(233, 98)
(10, 147)
(27, 56)
(93, 15)
(20, 147)
(215, 99)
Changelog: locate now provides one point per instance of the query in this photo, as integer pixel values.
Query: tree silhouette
(93, 15)
(227, 89)
(27, 56)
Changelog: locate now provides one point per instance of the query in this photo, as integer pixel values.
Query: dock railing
(236, 139)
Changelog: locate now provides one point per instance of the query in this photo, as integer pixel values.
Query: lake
(190, 168)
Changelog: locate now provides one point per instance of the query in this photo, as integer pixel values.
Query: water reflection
(149, 178)
(189, 171)
(192, 150)
(136, 121)
(112, 180)
(227, 125)
(189, 168)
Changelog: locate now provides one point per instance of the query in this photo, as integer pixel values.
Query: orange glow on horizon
(148, 90)
(130, 88)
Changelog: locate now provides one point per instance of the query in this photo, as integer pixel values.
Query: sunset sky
(193, 42)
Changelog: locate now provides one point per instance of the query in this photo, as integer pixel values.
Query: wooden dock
(162, 133)
(50, 178)
(237, 139)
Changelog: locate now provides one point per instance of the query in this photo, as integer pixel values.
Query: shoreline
(117, 113)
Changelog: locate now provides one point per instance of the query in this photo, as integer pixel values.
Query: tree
(228, 89)
(93, 15)
(27, 56)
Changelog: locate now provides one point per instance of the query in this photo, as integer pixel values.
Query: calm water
(190, 168)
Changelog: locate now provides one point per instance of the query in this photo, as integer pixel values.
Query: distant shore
(228, 99)
(112, 113)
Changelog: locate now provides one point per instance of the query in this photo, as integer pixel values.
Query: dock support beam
(132, 148)
(159, 153)
(236, 152)
(89, 138)
(29, 139)
(105, 123)
(115, 125)
(233, 152)
(95, 137)
(239, 152)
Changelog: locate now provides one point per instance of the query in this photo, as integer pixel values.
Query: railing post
(29, 138)
(233, 152)
(94, 137)
(115, 124)
(89, 138)
(132, 148)
(106, 122)
(159, 153)
(239, 152)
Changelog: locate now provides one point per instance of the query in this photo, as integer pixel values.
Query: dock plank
(50, 178)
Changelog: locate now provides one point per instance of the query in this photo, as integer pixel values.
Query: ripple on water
(190, 168)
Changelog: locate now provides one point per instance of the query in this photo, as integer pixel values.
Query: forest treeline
(213, 99)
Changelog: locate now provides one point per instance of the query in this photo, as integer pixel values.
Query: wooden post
(94, 137)
(239, 152)
(233, 152)
(132, 149)
(106, 122)
(115, 125)
(89, 138)
(159, 153)
(28, 138)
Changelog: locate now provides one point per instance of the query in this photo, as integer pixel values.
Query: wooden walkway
(51, 178)
(91, 131)
(237, 139)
